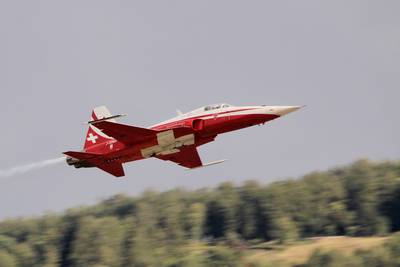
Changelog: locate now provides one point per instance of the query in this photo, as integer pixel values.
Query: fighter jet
(109, 144)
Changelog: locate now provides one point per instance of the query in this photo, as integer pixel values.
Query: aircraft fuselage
(169, 140)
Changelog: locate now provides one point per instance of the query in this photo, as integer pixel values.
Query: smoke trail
(29, 167)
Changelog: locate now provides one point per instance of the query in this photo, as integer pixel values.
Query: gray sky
(59, 59)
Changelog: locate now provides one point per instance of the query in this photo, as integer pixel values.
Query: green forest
(219, 226)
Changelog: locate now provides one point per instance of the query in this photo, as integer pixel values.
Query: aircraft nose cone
(284, 110)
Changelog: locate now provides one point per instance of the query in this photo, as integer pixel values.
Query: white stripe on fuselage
(205, 115)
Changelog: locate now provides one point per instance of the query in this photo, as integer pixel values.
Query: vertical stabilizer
(101, 113)
(94, 136)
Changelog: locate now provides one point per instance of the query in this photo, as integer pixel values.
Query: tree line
(185, 228)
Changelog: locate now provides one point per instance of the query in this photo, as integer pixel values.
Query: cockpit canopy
(216, 106)
(208, 109)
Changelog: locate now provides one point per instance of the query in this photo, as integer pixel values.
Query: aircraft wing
(115, 168)
(82, 155)
(124, 133)
(131, 134)
(188, 157)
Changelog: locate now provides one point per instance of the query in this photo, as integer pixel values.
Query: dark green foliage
(391, 208)
(222, 206)
(159, 229)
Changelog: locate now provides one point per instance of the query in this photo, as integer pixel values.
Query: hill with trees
(218, 227)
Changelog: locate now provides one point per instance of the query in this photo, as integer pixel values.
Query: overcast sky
(59, 59)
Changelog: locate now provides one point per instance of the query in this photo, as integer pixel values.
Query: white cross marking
(92, 138)
(168, 144)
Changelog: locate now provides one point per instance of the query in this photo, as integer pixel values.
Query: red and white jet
(109, 144)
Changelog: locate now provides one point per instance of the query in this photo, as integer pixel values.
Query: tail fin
(101, 113)
(94, 136)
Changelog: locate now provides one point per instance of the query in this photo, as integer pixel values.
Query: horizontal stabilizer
(106, 119)
(81, 155)
(98, 160)
(114, 168)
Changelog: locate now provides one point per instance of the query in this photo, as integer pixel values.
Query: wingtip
(209, 164)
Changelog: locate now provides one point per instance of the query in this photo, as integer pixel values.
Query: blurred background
(58, 60)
